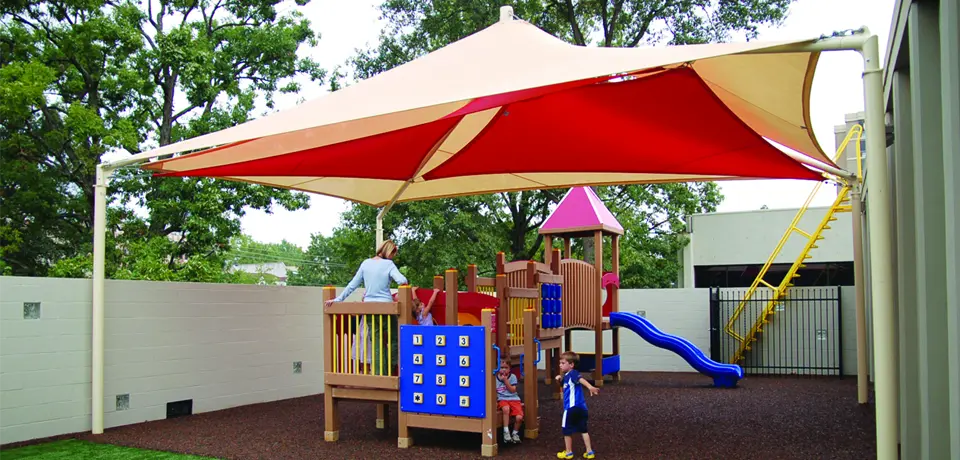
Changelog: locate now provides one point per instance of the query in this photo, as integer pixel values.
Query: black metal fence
(804, 336)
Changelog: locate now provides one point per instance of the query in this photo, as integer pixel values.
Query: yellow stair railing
(840, 204)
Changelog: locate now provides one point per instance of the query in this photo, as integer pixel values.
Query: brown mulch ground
(647, 415)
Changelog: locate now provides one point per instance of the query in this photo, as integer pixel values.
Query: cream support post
(878, 225)
(99, 247)
(863, 378)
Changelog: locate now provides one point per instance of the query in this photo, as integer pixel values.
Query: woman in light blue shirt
(376, 275)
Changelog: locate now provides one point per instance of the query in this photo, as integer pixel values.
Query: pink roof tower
(580, 212)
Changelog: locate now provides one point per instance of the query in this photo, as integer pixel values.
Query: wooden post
(547, 249)
(547, 364)
(488, 432)
(503, 312)
(566, 248)
(451, 286)
(531, 281)
(331, 413)
(530, 375)
(553, 356)
(615, 293)
(471, 278)
(598, 342)
(405, 297)
(382, 413)
(438, 282)
(553, 372)
(501, 261)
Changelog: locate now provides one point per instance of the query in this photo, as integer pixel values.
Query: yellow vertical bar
(380, 342)
(513, 321)
(351, 363)
(367, 334)
(390, 349)
(508, 310)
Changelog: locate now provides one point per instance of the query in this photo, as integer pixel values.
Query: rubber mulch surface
(646, 416)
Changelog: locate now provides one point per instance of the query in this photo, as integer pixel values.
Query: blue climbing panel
(442, 370)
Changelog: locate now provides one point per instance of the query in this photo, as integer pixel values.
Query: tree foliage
(453, 232)
(83, 79)
(246, 250)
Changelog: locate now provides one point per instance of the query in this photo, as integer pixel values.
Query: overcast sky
(837, 90)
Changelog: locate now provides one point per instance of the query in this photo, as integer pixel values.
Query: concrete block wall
(227, 345)
(219, 345)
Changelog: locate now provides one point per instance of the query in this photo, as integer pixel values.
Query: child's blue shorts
(574, 421)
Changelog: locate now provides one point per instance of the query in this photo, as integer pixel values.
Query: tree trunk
(166, 122)
(588, 249)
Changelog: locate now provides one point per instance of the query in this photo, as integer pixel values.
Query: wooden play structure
(529, 307)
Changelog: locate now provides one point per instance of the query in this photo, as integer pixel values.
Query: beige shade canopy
(514, 108)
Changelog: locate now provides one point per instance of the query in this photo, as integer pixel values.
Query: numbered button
(417, 358)
(464, 401)
(441, 380)
(464, 340)
(441, 399)
(417, 339)
(465, 381)
(418, 379)
(418, 398)
(441, 360)
(464, 361)
(441, 340)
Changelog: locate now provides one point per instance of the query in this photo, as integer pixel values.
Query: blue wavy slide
(724, 375)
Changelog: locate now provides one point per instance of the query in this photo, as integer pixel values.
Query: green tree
(79, 80)
(246, 250)
(439, 234)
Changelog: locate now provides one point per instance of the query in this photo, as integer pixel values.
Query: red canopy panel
(668, 123)
(393, 155)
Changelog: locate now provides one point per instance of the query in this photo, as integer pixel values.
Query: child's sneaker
(589, 454)
(564, 454)
(516, 437)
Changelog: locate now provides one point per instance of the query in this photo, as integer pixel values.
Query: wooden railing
(360, 356)
(480, 284)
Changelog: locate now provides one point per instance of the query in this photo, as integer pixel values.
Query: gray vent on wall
(31, 310)
(123, 401)
(298, 367)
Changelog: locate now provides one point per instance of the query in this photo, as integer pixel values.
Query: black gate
(803, 337)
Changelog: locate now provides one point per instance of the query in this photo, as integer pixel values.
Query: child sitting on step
(509, 402)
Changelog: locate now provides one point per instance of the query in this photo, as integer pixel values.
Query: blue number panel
(442, 370)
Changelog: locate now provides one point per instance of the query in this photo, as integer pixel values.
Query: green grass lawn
(82, 450)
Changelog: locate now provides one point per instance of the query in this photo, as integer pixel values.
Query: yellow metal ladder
(780, 291)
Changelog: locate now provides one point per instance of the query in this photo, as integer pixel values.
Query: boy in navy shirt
(574, 405)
